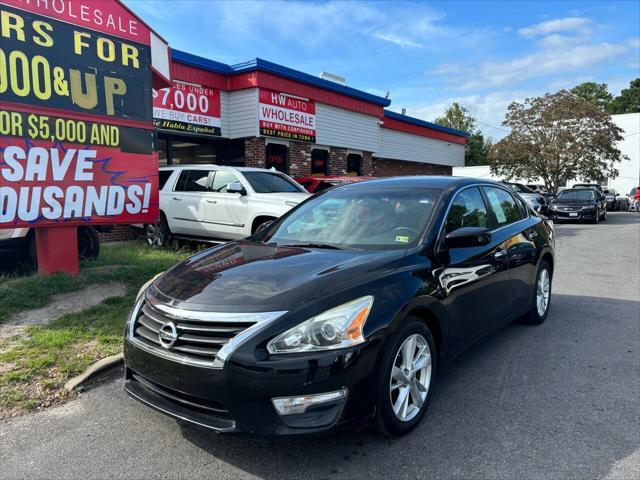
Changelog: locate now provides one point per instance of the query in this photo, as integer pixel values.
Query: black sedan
(579, 204)
(341, 312)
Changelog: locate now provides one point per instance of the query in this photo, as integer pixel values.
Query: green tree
(557, 137)
(459, 118)
(628, 101)
(477, 151)
(596, 93)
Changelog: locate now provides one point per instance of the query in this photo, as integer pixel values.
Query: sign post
(76, 123)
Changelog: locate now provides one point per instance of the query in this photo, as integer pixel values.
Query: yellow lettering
(110, 54)
(78, 44)
(86, 100)
(10, 124)
(11, 21)
(129, 52)
(44, 39)
(112, 87)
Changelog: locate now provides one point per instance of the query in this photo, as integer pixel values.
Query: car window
(503, 206)
(267, 182)
(467, 210)
(193, 181)
(163, 176)
(368, 219)
(221, 179)
(577, 194)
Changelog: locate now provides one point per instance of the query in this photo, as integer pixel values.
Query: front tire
(406, 379)
(541, 295)
(158, 234)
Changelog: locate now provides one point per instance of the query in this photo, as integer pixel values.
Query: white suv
(223, 203)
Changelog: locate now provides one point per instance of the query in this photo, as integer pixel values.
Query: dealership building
(261, 114)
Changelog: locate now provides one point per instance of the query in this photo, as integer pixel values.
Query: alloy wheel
(155, 235)
(543, 292)
(410, 377)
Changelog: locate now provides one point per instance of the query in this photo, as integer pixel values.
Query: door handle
(177, 199)
(500, 254)
(211, 201)
(532, 234)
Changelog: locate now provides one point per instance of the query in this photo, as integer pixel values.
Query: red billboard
(76, 125)
(188, 108)
(287, 116)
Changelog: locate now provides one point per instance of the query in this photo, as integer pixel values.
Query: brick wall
(120, 233)
(255, 152)
(367, 163)
(383, 167)
(337, 161)
(299, 159)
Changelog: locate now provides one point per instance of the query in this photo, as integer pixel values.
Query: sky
(427, 55)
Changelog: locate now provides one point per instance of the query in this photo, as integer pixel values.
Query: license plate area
(573, 214)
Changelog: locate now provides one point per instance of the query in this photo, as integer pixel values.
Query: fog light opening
(298, 405)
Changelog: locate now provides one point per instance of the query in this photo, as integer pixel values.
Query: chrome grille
(199, 341)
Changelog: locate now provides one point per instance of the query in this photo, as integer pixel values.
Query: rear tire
(393, 417)
(539, 311)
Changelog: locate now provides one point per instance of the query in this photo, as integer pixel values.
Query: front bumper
(584, 214)
(237, 398)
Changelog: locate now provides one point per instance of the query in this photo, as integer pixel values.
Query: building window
(182, 150)
(163, 154)
(354, 164)
(193, 151)
(319, 162)
(277, 157)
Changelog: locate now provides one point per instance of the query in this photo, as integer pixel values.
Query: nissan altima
(343, 311)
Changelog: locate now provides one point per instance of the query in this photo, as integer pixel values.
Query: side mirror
(236, 187)
(466, 237)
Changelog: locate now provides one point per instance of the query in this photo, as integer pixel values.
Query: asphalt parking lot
(561, 400)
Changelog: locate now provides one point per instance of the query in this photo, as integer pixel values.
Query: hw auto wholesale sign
(76, 138)
(286, 116)
(188, 108)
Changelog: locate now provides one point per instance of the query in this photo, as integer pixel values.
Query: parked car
(536, 200)
(542, 190)
(205, 202)
(612, 198)
(599, 193)
(319, 184)
(342, 311)
(578, 204)
(20, 243)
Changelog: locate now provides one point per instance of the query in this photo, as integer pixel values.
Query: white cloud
(399, 40)
(555, 40)
(566, 24)
(548, 62)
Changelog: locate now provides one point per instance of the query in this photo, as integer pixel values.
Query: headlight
(339, 327)
(147, 285)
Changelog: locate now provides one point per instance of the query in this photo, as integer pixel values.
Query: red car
(318, 184)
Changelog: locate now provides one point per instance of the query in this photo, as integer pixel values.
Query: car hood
(248, 276)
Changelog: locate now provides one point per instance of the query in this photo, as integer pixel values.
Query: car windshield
(266, 182)
(367, 219)
(580, 194)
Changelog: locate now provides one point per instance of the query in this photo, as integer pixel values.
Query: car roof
(209, 166)
(427, 181)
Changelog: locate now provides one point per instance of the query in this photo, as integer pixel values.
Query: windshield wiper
(328, 246)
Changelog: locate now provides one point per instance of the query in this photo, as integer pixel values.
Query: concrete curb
(93, 370)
